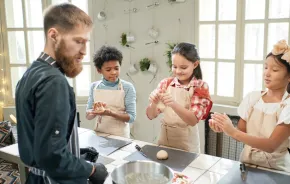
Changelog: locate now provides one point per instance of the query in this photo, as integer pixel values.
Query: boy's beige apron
(115, 100)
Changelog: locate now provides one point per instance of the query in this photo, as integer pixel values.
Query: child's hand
(106, 112)
(99, 107)
(167, 99)
(91, 113)
(154, 96)
(224, 122)
(214, 126)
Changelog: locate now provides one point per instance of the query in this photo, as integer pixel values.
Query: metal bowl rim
(144, 161)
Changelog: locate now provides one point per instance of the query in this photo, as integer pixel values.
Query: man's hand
(90, 154)
(99, 175)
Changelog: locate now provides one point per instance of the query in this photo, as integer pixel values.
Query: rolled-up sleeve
(201, 102)
(91, 97)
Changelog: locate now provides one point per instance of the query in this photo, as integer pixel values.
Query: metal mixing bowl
(118, 175)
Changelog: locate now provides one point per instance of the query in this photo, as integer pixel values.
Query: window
(25, 38)
(234, 38)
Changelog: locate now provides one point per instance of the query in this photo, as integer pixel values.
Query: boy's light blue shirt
(130, 95)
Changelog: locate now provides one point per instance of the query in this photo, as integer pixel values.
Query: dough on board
(162, 155)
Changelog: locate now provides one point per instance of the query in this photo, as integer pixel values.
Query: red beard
(67, 63)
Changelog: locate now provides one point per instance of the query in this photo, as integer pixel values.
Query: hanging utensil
(154, 4)
(129, 46)
(152, 42)
(130, 77)
(152, 79)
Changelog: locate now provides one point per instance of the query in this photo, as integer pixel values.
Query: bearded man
(45, 103)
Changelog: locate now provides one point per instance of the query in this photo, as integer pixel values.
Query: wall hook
(134, 10)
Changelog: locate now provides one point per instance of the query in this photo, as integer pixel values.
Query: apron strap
(251, 109)
(97, 84)
(73, 143)
(263, 93)
(42, 173)
(191, 91)
(285, 96)
(282, 105)
(120, 85)
(37, 172)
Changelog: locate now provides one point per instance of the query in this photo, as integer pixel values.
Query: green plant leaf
(170, 47)
(123, 39)
(144, 64)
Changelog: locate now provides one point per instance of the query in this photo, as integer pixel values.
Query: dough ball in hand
(98, 107)
(161, 106)
(162, 155)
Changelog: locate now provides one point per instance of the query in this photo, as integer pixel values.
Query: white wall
(165, 18)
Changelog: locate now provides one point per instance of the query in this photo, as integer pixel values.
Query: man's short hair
(65, 17)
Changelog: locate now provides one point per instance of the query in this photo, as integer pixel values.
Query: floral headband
(282, 48)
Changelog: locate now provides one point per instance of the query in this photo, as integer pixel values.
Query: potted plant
(123, 39)
(168, 53)
(144, 64)
(126, 39)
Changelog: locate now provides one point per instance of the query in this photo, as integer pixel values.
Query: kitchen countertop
(205, 169)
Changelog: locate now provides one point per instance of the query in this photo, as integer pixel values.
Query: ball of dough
(98, 109)
(162, 155)
(161, 106)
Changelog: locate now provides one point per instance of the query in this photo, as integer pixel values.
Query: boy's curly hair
(105, 54)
